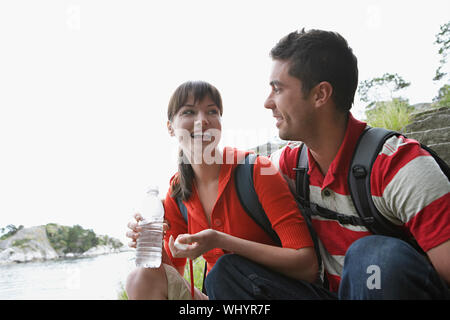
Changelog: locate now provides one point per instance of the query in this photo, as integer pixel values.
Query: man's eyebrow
(275, 83)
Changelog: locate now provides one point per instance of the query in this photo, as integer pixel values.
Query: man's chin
(284, 135)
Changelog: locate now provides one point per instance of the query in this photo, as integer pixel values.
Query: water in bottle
(149, 242)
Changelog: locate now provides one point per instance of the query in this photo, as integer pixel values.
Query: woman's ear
(170, 128)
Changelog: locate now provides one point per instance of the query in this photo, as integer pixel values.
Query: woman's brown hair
(182, 185)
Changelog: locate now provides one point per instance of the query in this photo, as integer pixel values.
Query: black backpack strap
(301, 174)
(248, 197)
(307, 208)
(183, 209)
(367, 149)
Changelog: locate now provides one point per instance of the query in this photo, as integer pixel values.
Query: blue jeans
(375, 267)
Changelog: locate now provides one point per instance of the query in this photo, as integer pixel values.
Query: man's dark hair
(317, 56)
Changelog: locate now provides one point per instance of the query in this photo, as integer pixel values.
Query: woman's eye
(188, 112)
(213, 111)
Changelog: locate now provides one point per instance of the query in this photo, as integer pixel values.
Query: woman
(217, 223)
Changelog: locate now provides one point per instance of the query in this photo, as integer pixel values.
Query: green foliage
(198, 266)
(443, 40)
(393, 115)
(443, 98)
(76, 239)
(122, 295)
(21, 243)
(10, 230)
(107, 241)
(381, 88)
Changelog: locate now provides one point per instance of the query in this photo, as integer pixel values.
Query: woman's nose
(202, 119)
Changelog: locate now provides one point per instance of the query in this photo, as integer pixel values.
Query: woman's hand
(194, 244)
(135, 229)
(133, 233)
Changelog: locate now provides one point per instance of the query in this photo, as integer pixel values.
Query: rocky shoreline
(32, 244)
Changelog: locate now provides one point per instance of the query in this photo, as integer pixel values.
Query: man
(313, 81)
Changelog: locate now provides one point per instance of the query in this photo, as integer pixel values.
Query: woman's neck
(207, 172)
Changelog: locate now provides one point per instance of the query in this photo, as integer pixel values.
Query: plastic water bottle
(149, 242)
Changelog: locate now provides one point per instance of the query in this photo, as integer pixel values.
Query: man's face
(292, 110)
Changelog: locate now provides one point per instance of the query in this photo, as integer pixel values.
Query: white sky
(84, 87)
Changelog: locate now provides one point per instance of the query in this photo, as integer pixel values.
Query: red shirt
(229, 216)
(407, 187)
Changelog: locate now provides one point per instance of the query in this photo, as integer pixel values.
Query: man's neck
(326, 144)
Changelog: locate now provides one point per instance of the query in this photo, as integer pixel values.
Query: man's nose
(269, 104)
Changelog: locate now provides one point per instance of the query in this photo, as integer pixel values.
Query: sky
(84, 88)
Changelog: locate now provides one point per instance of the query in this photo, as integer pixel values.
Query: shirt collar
(339, 166)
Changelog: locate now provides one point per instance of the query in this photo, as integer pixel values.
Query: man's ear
(170, 128)
(323, 93)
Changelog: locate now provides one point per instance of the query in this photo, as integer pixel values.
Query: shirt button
(217, 222)
(326, 193)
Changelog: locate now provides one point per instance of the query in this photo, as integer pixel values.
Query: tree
(381, 88)
(10, 230)
(443, 97)
(443, 40)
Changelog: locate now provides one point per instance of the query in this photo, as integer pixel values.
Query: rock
(431, 127)
(31, 244)
(421, 106)
(27, 244)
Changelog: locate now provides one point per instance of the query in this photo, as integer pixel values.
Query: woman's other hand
(193, 245)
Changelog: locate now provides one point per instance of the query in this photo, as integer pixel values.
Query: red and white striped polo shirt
(407, 187)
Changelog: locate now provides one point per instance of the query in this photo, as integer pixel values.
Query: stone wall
(432, 127)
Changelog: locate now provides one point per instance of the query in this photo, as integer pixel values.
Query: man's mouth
(279, 120)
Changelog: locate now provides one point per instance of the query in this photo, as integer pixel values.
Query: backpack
(367, 149)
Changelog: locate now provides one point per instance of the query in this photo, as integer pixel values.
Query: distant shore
(52, 241)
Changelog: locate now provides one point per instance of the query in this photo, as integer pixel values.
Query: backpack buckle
(343, 219)
(359, 171)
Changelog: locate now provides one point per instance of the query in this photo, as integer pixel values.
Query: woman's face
(198, 128)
